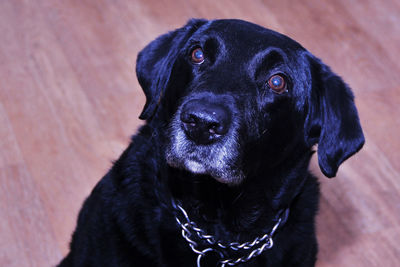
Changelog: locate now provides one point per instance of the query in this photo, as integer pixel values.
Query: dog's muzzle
(204, 138)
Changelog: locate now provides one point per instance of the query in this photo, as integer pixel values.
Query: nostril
(212, 128)
(189, 119)
(216, 128)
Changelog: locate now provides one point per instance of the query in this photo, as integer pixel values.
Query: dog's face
(229, 90)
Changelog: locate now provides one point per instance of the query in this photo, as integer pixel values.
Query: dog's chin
(228, 177)
(194, 167)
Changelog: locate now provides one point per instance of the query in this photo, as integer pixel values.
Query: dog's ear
(155, 63)
(332, 120)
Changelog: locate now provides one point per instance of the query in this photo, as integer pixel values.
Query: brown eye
(277, 83)
(197, 56)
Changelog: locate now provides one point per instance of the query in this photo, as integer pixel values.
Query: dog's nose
(205, 122)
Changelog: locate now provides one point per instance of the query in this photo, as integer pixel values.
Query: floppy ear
(332, 119)
(155, 63)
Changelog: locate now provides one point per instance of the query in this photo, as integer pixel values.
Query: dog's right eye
(277, 83)
(197, 56)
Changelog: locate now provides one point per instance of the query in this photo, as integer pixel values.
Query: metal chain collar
(249, 249)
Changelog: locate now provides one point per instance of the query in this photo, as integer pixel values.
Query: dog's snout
(205, 122)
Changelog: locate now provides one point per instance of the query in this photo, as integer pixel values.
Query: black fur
(235, 186)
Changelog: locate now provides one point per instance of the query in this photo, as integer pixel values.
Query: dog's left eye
(197, 56)
(277, 83)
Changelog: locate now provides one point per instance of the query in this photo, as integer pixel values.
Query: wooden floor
(69, 100)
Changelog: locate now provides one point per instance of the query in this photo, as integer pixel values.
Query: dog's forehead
(238, 34)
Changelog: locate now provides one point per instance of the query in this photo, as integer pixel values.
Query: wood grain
(69, 100)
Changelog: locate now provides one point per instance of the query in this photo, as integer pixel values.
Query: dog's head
(233, 95)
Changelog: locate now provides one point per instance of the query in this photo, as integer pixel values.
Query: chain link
(191, 230)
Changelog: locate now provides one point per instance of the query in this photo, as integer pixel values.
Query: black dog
(218, 174)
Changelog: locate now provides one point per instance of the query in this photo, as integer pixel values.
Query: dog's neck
(240, 207)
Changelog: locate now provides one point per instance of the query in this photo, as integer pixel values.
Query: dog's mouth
(220, 160)
(223, 174)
